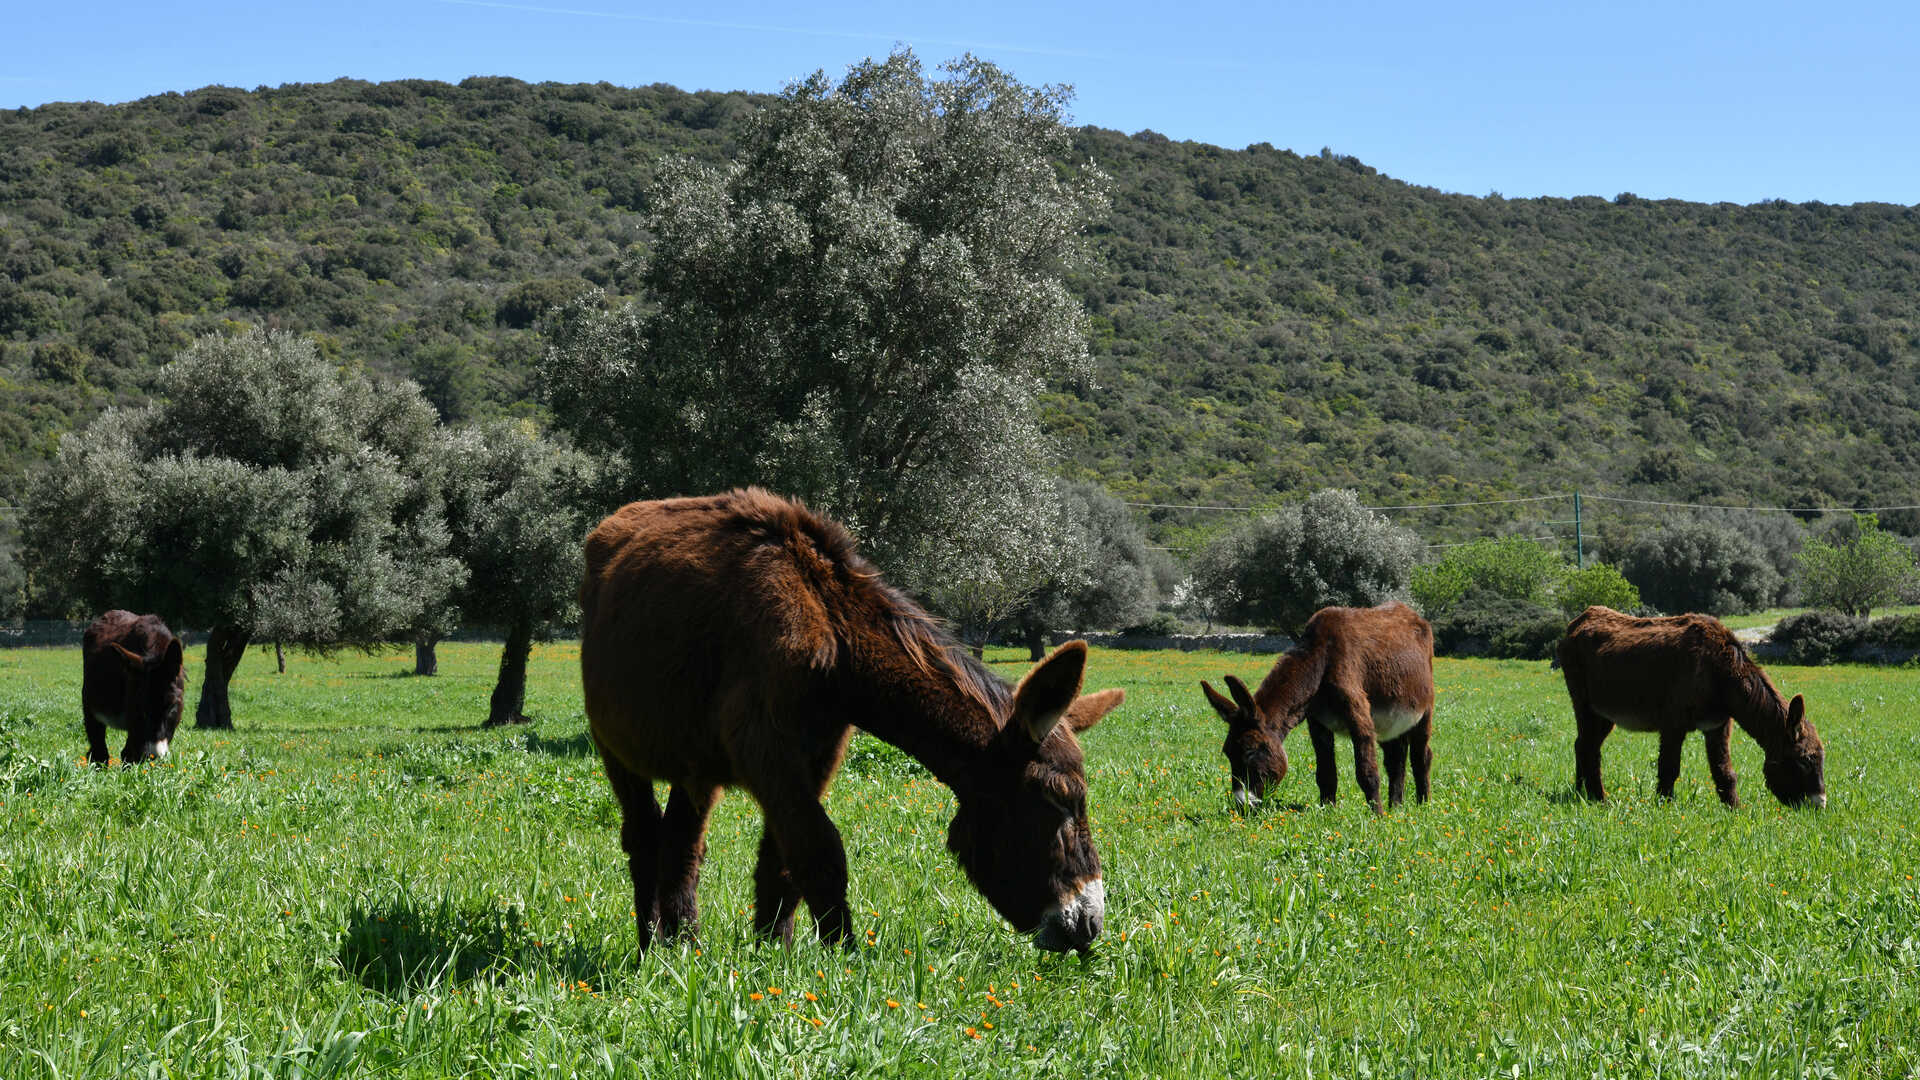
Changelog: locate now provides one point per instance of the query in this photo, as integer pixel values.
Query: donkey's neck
(921, 710)
(1764, 718)
(1289, 685)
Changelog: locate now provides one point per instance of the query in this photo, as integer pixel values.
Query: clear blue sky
(1707, 101)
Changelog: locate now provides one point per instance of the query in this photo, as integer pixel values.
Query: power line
(1409, 506)
(1755, 509)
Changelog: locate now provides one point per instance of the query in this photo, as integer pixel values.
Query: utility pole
(1579, 543)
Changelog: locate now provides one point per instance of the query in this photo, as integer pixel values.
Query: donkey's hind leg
(639, 838)
(1420, 749)
(683, 844)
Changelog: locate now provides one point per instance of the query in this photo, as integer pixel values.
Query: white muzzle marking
(160, 748)
(1076, 921)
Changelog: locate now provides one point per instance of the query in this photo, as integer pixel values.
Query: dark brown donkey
(133, 680)
(1366, 673)
(1675, 675)
(729, 641)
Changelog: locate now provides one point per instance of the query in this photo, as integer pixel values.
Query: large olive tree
(859, 311)
(514, 508)
(264, 494)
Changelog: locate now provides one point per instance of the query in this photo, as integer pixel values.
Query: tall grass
(357, 881)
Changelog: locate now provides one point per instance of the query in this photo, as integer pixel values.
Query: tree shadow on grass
(401, 949)
(579, 744)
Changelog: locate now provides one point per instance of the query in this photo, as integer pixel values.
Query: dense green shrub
(1597, 584)
(1700, 566)
(1498, 626)
(1895, 632)
(1513, 567)
(1869, 569)
(1819, 637)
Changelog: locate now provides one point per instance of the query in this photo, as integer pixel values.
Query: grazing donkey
(730, 641)
(1675, 675)
(1366, 673)
(133, 680)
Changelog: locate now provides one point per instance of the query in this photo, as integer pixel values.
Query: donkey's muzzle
(1076, 921)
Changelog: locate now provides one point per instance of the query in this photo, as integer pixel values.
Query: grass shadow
(401, 949)
(578, 745)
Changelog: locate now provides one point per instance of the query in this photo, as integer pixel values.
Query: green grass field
(360, 882)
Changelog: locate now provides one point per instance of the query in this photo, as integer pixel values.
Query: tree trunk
(279, 658)
(1036, 642)
(226, 645)
(510, 690)
(426, 658)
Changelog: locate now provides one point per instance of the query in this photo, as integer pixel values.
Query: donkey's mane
(925, 640)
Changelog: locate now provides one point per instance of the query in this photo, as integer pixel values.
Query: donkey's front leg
(775, 896)
(814, 857)
(1326, 770)
(1366, 770)
(683, 845)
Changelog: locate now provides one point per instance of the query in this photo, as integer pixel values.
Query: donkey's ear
(173, 657)
(1796, 711)
(1221, 704)
(1240, 696)
(133, 660)
(1045, 695)
(1087, 710)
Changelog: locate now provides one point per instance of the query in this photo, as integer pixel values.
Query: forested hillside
(1264, 323)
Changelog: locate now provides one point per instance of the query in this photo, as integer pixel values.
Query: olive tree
(859, 311)
(1281, 567)
(1109, 580)
(264, 494)
(514, 509)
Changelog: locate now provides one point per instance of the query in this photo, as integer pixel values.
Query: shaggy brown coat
(133, 679)
(731, 641)
(1675, 675)
(1366, 673)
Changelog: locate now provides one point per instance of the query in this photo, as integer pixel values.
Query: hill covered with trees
(1264, 323)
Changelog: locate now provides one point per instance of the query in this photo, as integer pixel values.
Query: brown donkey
(730, 641)
(1366, 673)
(1675, 675)
(133, 679)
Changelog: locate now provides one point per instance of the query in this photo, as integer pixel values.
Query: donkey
(731, 641)
(132, 679)
(1366, 673)
(1675, 675)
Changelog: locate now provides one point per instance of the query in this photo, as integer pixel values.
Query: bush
(1163, 624)
(1597, 584)
(1895, 632)
(1483, 624)
(1700, 566)
(1819, 637)
(1867, 570)
(1280, 568)
(1514, 567)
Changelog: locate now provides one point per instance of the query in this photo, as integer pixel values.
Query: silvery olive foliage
(858, 312)
(1282, 566)
(1112, 583)
(263, 495)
